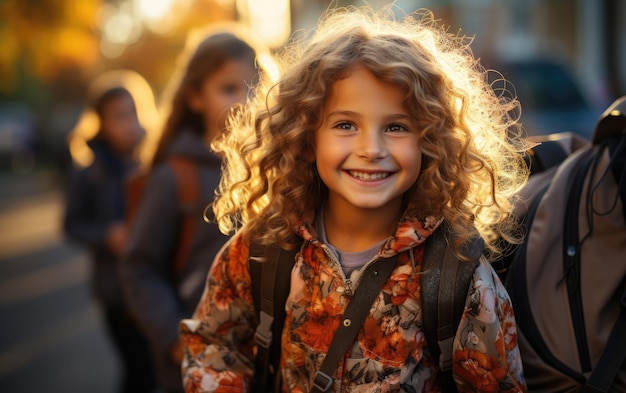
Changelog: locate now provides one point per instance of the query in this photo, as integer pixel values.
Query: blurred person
(171, 246)
(95, 213)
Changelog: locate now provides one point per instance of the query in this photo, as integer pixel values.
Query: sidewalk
(51, 333)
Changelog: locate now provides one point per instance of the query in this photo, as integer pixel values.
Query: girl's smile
(369, 176)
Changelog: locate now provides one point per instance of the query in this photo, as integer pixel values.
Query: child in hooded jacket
(95, 210)
(377, 133)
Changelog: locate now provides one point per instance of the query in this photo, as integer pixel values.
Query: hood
(188, 144)
(410, 232)
(104, 154)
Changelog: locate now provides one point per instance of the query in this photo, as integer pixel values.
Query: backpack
(543, 158)
(567, 281)
(186, 176)
(445, 282)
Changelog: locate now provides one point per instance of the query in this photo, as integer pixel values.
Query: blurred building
(566, 59)
(52, 48)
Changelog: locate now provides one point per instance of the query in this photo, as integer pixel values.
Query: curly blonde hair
(469, 136)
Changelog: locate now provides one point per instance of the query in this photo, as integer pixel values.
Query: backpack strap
(444, 286)
(612, 357)
(545, 155)
(187, 179)
(352, 320)
(617, 152)
(270, 271)
(571, 261)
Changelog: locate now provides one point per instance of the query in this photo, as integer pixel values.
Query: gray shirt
(350, 261)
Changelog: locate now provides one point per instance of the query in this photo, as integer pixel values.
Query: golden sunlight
(160, 16)
(269, 20)
(153, 10)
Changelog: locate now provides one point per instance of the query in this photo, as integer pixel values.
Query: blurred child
(95, 217)
(171, 247)
(378, 133)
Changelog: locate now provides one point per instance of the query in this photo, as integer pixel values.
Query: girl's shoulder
(486, 274)
(236, 247)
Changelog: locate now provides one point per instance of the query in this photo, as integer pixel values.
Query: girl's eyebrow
(343, 113)
(348, 113)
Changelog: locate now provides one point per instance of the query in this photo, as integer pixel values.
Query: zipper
(350, 286)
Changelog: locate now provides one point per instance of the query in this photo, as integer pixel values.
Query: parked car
(552, 100)
(18, 138)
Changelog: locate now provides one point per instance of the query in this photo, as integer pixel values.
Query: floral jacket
(390, 353)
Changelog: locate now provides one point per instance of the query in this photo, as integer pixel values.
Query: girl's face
(120, 126)
(222, 89)
(366, 149)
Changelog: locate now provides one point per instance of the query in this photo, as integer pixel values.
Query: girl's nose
(371, 146)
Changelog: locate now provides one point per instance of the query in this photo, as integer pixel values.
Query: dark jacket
(95, 200)
(159, 298)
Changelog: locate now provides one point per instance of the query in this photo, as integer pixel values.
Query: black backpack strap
(270, 272)
(612, 357)
(546, 155)
(352, 320)
(614, 353)
(444, 287)
(571, 261)
(617, 152)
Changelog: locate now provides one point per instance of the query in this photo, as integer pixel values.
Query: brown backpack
(188, 193)
(567, 280)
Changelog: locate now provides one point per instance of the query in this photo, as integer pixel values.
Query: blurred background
(564, 59)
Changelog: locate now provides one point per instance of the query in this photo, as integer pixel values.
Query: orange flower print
(194, 344)
(402, 286)
(392, 346)
(319, 330)
(297, 355)
(229, 381)
(372, 333)
(405, 237)
(480, 370)
(390, 323)
(430, 223)
(193, 382)
(508, 325)
(238, 270)
(223, 297)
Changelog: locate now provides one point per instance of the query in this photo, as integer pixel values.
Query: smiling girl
(378, 134)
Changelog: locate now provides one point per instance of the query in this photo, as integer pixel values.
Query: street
(51, 335)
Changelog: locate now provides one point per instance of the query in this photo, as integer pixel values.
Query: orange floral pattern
(390, 353)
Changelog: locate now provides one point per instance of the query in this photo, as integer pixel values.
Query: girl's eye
(229, 89)
(344, 125)
(397, 128)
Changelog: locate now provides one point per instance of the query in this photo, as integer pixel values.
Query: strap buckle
(322, 381)
(445, 357)
(263, 334)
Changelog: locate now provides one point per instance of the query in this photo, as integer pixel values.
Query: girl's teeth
(369, 176)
